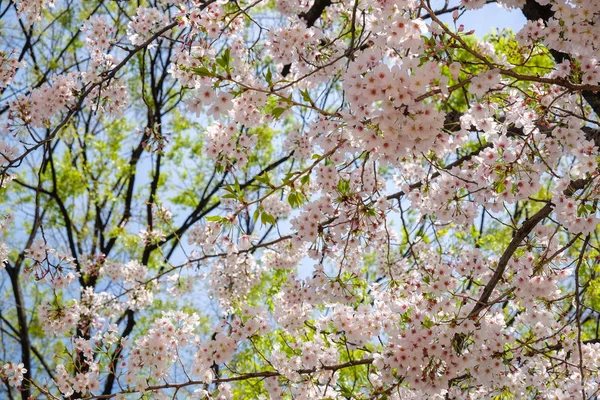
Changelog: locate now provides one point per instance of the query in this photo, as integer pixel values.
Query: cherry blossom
(308, 199)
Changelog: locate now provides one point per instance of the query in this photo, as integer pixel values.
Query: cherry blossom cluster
(8, 68)
(99, 33)
(58, 319)
(32, 9)
(111, 99)
(82, 382)
(386, 116)
(203, 20)
(568, 31)
(39, 107)
(14, 373)
(132, 275)
(7, 154)
(3, 255)
(283, 256)
(54, 266)
(232, 278)
(154, 353)
(297, 42)
(205, 236)
(276, 207)
(225, 143)
(146, 22)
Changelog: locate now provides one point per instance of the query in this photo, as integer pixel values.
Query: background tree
(293, 199)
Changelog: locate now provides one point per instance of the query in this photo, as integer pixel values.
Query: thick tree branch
(533, 11)
(519, 236)
(34, 349)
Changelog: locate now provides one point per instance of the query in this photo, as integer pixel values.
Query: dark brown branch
(110, 379)
(533, 11)
(519, 236)
(135, 157)
(34, 349)
(23, 332)
(313, 14)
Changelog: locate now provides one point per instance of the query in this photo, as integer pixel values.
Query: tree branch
(519, 236)
(533, 11)
(242, 377)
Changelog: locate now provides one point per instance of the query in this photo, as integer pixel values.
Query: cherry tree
(359, 199)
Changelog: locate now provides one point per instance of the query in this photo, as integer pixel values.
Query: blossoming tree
(298, 199)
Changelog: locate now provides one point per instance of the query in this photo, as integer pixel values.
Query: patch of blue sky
(484, 20)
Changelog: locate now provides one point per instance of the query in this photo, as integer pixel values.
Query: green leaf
(269, 77)
(202, 71)
(264, 179)
(276, 113)
(224, 60)
(267, 219)
(256, 215)
(500, 187)
(293, 199)
(229, 188)
(343, 186)
(306, 96)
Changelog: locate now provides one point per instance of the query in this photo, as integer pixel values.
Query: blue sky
(485, 19)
